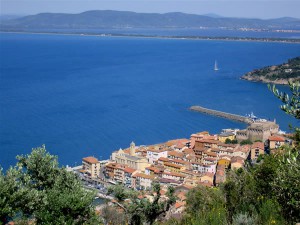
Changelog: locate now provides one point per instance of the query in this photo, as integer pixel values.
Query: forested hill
(122, 19)
(279, 74)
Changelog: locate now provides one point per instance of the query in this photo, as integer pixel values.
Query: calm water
(84, 96)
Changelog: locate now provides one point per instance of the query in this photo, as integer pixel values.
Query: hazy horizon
(261, 9)
(212, 14)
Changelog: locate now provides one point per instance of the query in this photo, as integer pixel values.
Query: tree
(229, 141)
(205, 206)
(45, 192)
(286, 185)
(8, 190)
(139, 210)
(246, 142)
(290, 105)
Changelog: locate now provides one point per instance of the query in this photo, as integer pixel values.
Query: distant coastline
(210, 38)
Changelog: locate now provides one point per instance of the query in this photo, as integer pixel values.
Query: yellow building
(91, 166)
(224, 162)
(130, 159)
(174, 167)
(223, 136)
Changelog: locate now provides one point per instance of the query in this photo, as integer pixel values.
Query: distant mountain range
(121, 19)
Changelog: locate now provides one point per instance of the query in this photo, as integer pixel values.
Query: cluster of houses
(203, 159)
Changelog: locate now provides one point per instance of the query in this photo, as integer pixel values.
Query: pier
(239, 118)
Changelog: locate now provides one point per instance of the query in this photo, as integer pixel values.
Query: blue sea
(88, 96)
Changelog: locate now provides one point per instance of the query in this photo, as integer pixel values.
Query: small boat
(216, 66)
(255, 118)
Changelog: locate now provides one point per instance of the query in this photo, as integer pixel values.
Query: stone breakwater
(225, 115)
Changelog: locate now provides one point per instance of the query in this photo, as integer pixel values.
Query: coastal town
(203, 159)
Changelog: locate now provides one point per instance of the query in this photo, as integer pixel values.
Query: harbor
(230, 116)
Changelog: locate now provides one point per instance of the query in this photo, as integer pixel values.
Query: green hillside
(279, 74)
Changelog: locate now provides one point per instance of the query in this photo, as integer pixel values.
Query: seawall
(225, 115)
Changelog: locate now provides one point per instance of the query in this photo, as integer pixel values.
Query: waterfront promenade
(225, 115)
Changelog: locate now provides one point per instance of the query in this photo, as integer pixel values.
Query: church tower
(132, 149)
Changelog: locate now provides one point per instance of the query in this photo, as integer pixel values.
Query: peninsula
(276, 74)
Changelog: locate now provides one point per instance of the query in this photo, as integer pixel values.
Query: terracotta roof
(199, 149)
(172, 165)
(189, 157)
(129, 170)
(127, 151)
(176, 154)
(188, 151)
(154, 169)
(167, 180)
(258, 145)
(179, 161)
(179, 204)
(237, 159)
(213, 154)
(174, 174)
(163, 159)
(242, 148)
(208, 141)
(142, 175)
(276, 138)
(91, 160)
(215, 150)
(227, 145)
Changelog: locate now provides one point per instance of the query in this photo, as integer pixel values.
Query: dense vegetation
(286, 71)
(140, 210)
(37, 189)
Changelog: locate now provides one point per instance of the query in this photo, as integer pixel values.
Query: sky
(264, 9)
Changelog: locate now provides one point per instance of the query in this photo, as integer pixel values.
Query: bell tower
(132, 149)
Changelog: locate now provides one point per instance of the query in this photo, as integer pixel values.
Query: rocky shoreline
(267, 81)
(280, 74)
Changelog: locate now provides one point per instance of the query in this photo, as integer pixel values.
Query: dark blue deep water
(83, 95)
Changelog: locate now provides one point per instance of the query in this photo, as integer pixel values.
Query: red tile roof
(175, 154)
(91, 160)
(179, 204)
(276, 138)
(163, 159)
(129, 170)
(258, 145)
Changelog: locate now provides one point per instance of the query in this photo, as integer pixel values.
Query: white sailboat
(216, 66)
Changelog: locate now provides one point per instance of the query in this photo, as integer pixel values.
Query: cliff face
(279, 74)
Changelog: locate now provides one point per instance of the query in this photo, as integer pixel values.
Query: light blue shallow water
(84, 95)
